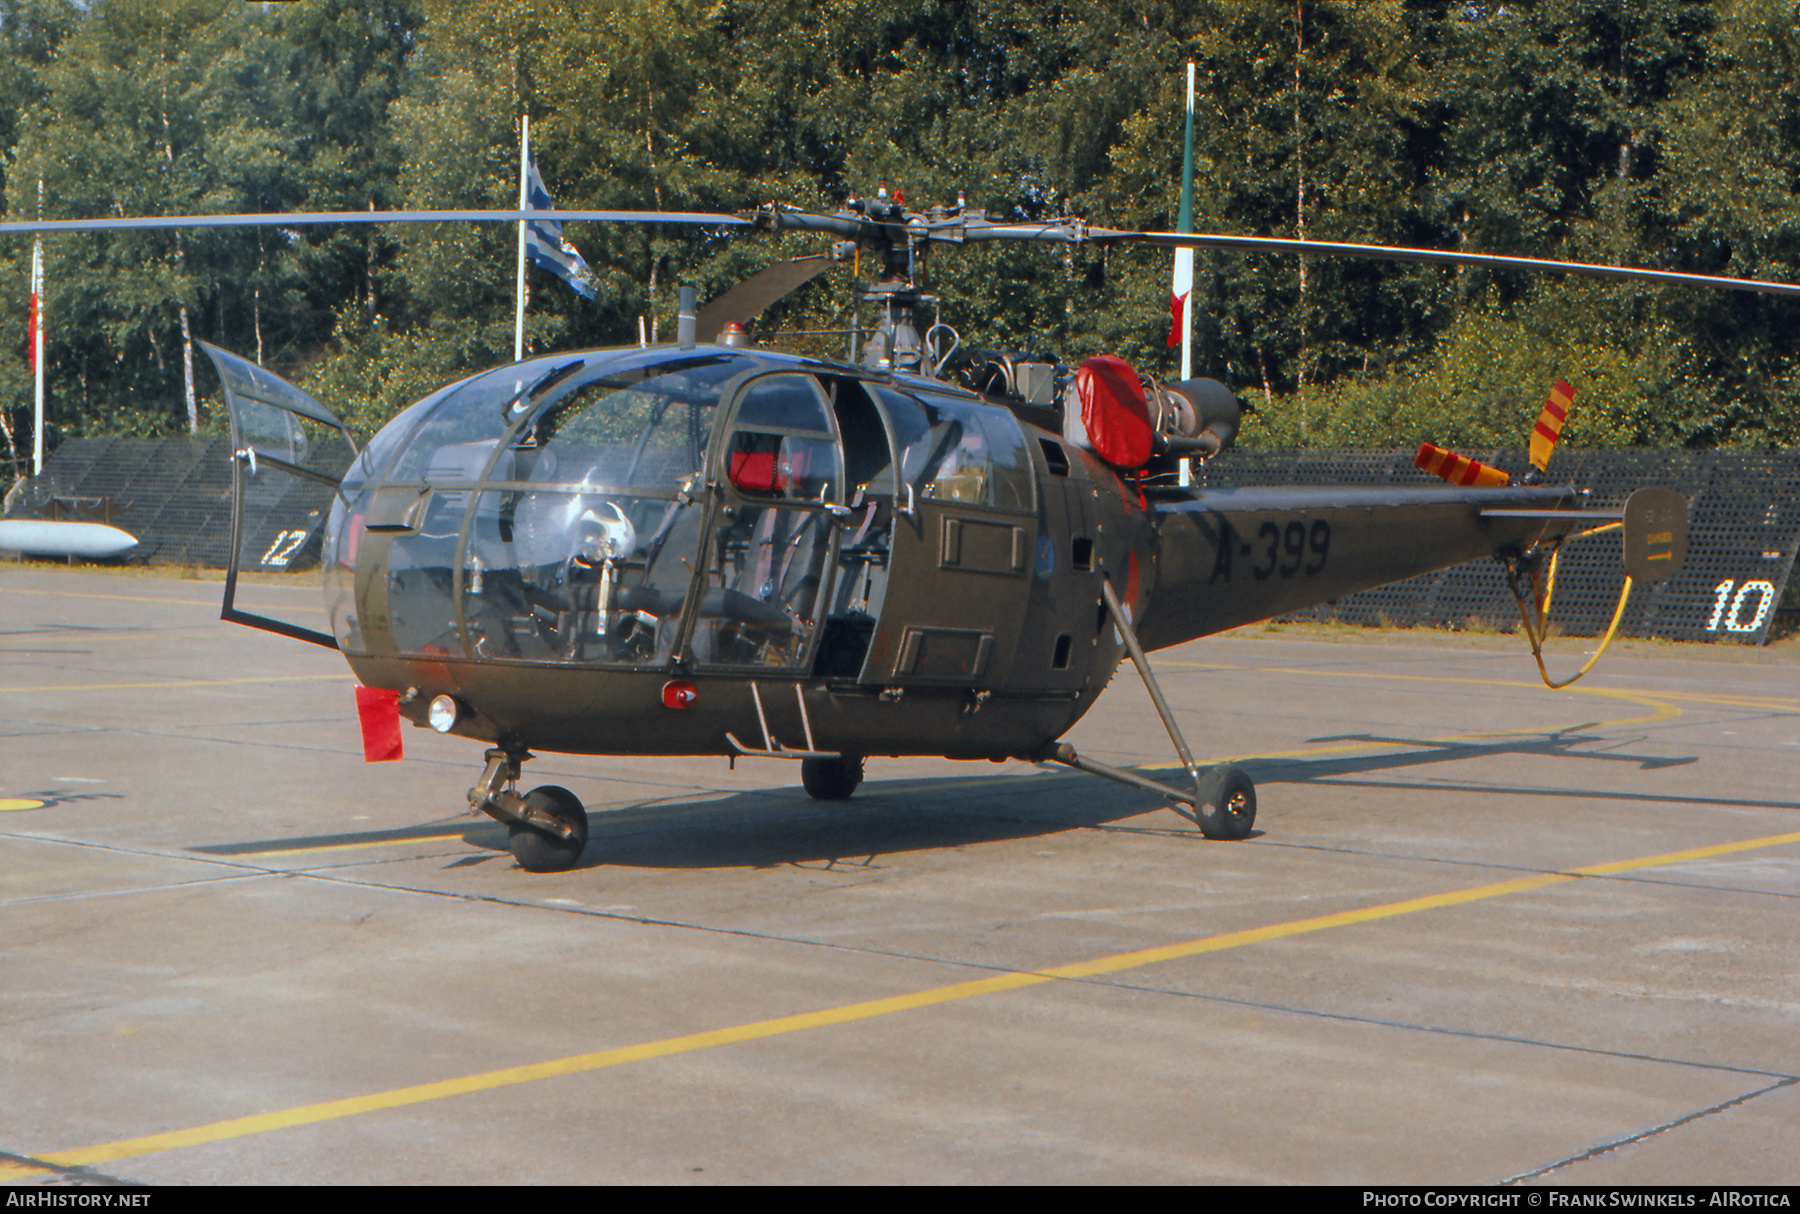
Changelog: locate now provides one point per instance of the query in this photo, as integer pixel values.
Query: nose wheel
(546, 829)
(551, 832)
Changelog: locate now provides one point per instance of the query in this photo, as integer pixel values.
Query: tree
(121, 130)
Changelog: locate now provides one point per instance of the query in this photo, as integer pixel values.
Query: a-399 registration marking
(1276, 549)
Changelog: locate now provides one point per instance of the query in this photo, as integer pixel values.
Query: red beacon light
(678, 693)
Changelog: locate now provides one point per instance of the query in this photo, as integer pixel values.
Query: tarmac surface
(1485, 932)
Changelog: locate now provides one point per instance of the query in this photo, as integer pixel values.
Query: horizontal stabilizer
(1612, 516)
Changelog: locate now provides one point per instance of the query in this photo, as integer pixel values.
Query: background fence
(1743, 532)
(174, 494)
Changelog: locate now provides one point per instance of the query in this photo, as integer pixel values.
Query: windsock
(1550, 423)
(1458, 469)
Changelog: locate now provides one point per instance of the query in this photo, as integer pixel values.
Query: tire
(538, 851)
(831, 779)
(1227, 808)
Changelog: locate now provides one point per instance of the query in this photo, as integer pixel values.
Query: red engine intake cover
(1114, 411)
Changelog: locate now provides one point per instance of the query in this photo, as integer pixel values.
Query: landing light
(444, 713)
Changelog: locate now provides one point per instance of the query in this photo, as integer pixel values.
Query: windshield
(622, 428)
(553, 510)
(582, 545)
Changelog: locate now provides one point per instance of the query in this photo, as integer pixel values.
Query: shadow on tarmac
(768, 828)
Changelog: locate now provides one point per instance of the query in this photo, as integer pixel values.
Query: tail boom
(1235, 556)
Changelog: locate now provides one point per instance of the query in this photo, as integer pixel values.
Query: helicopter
(709, 547)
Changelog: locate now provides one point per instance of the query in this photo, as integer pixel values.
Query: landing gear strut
(546, 828)
(1223, 803)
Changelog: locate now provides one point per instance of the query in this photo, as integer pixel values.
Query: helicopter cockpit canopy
(674, 508)
(553, 510)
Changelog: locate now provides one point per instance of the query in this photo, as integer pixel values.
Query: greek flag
(545, 243)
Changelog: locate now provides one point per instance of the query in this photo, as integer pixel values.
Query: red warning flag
(378, 708)
(1458, 469)
(1550, 423)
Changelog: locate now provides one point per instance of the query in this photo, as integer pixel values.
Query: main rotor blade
(1325, 248)
(1073, 231)
(747, 300)
(306, 218)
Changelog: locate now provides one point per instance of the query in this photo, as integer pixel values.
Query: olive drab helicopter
(708, 547)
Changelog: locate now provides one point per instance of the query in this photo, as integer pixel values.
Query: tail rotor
(1461, 470)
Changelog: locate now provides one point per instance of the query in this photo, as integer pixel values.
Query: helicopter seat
(753, 472)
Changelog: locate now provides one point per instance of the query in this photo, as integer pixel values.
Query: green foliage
(1656, 132)
(1489, 377)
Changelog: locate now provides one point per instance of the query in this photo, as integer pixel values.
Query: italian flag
(34, 320)
(1181, 291)
(1179, 294)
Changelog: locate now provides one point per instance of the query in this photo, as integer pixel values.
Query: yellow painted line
(154, 598)
(127, 598)
(1664, 712)
(1734, 700)
(1630, 694)
(179, 684)
(64, 635)
(262, 1123)
(301, 851)
(1684, 857)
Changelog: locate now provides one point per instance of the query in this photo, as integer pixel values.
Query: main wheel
(831, 779)
(1227, 808)
(539, 851)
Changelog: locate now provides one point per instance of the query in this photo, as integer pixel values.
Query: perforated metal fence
(174, 495)
(1743, 532)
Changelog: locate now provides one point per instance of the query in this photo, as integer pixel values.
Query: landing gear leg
(546, 828)
(1223, 803)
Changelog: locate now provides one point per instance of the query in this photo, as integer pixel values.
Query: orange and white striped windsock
(1550, 423)
(1458, 469)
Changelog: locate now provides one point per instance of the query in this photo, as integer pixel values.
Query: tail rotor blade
(1458, 469)
(1550, 423)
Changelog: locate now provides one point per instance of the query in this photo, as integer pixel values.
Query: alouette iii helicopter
(712, 548)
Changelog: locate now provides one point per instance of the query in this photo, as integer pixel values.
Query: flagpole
(519, 291)
(1186, 224)
(37, 343)
(1182, 291)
